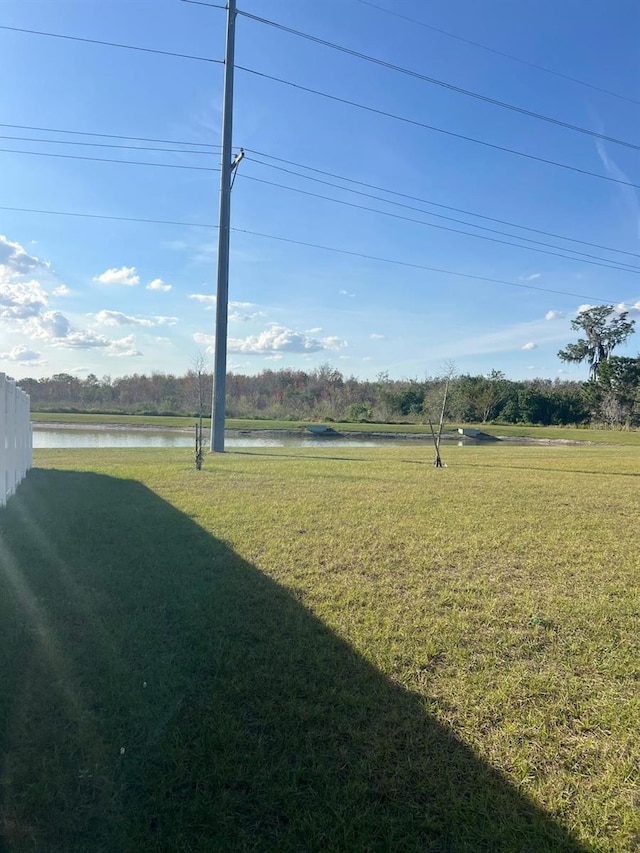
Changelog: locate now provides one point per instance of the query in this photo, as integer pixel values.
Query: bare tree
(450, 372)
(199, 373)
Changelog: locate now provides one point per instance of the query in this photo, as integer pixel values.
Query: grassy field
(321, 650)
(517, 431)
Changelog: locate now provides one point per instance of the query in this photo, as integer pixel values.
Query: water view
(46, 437)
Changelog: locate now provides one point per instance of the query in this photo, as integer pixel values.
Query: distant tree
(604, 331)
(615, 397)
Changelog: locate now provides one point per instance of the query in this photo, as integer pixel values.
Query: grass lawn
(321, 649)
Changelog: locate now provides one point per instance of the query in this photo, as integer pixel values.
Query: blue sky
(113, 298)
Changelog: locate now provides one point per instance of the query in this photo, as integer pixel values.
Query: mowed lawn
(322, 649)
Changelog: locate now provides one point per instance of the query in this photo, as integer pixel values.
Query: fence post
(16, 442)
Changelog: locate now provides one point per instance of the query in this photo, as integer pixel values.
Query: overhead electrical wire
(106, 145)
(494, 51)
(428, 201)
(109, 160)
(316, 171)
(601, 262)
(201, 3)
(416, 123)
(374, 110)
(421, 266)
(322, 247)
(595, 259)
(327, 183)
(436, 82)
(108, 135)
(112, 44)
(608, 263)
(430, 213)
(105, 216)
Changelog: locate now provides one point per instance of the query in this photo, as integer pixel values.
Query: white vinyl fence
(15, 437)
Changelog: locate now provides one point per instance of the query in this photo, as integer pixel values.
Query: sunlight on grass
(303, 588)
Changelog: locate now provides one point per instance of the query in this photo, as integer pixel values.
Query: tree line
(324, 394)
(610, 397)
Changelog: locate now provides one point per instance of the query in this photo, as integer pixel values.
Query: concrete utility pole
(222, 292)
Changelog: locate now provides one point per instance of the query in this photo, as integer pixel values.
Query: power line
(104, 216)
(201, 3)
(421, 266)
(500, 53)
(608, 263)
(442, 83)
(596, 260)
(308, 177)
(112, 44)
(322, 247)
(109, 160)
(416, 123)
(109, 135)
(106, 145)
(421, 200)
(317, 171)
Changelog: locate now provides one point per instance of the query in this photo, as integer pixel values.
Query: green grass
(321, 650)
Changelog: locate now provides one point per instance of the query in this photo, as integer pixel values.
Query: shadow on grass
(161, 694)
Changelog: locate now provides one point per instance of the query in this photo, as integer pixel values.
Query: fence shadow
(161, 694)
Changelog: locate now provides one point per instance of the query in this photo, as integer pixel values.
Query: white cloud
(333, 342)
(117, 318)
(317, 330)
(582, 308)
(239, 317)
(21, 300)
(280, 339)
(124, 347)
(505, 339)
(15, 260)
(53, 324)
(61, 290)
(633, 308)
(532, 277)
(159, 284)
(87, 339)
(205, 340)
(81, 339)
(22, 355)
(530, 345)
(209, 301)
(554, 315)
(345, 293)
(123, 275)
(377, 337)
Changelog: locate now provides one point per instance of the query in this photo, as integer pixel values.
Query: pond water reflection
(47, 437)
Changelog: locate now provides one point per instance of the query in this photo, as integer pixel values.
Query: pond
(46, 436)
